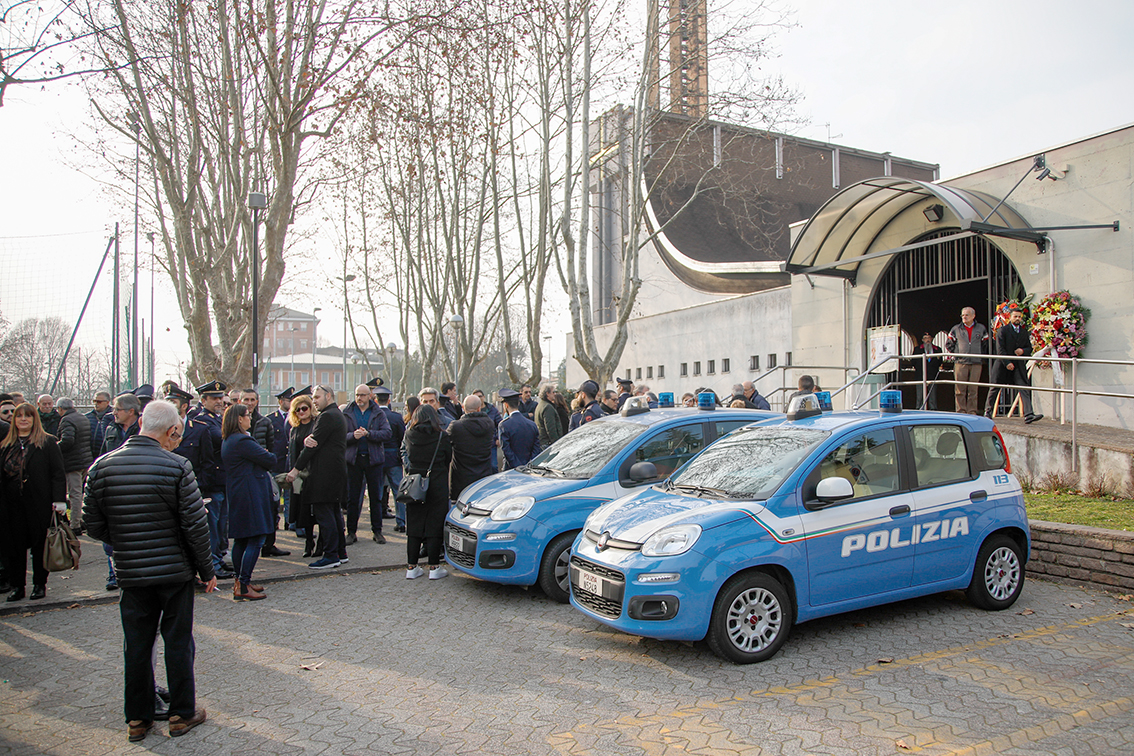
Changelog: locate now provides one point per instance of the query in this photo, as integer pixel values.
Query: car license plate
(590, 582)
(456, 542)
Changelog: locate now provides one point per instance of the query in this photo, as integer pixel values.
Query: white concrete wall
(1095, 265)
(733, 328)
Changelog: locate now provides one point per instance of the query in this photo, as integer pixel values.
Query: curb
(23, 609)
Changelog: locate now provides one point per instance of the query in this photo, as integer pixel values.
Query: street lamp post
(548, 340)
(346, 309)
(153, 267)
(292, 350)
(314, 324)
(456, 321)
(136, 127)
(257, 201)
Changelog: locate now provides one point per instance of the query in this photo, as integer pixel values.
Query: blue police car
(517, 527)
(817, 514)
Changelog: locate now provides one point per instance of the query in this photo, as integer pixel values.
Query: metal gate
(972, 258)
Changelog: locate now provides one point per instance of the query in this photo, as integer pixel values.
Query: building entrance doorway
(924, 290)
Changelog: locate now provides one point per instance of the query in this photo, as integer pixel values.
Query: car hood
(488, 492)
(633, 518)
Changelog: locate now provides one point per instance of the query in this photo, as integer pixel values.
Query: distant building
(289, 332)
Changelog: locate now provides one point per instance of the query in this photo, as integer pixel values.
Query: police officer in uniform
(196, 442)
(519, 436)
(279, 446)
(212, 405)
(592, 410)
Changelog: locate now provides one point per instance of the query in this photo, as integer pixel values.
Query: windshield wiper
(701, 490)
(552, 470)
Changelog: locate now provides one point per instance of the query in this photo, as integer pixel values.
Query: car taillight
(1003, 448)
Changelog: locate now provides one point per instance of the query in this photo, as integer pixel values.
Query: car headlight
(512, 509)
(671, 541)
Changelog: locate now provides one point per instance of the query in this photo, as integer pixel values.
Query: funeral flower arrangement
(1059, 321)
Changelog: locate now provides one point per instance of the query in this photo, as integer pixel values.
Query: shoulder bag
(62, 548)
(413, 487)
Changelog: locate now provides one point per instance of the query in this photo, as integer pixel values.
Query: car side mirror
(834, 489)
(643, 471)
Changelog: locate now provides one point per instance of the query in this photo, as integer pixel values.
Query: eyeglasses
(176, 435)
(302, 409)
(6, 412)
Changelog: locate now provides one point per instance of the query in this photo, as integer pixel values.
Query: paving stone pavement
(461, 667)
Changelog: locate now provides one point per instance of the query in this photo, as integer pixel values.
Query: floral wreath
(1004, 310)
(1059, 324)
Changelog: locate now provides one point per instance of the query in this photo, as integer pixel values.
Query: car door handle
(978, 495)
(898, 511)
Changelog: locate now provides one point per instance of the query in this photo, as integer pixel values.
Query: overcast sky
(965, 84)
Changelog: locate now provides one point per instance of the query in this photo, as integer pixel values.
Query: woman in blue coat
(248, 487)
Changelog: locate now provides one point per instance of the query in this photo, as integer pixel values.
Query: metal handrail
(1074, 391)
(782, 369)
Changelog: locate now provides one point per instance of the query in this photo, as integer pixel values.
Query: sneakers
(112, 583)
(379, 538)
(351, 539)
(178, 726)
(325, 563)
(344, 560)
(437, 573)
(414, 572)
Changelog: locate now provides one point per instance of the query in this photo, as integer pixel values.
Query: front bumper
(499, 552)
(611, 586)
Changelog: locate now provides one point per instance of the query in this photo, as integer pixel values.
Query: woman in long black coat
(425, 521)
(248, 488)
(33, 480)
(301, 418)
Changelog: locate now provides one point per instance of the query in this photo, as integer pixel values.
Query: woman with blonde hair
(32, 481)
(301, 418)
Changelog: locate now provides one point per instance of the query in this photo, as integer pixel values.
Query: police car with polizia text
(818, 514)
(516, 527)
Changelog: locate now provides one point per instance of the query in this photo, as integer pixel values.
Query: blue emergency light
(890, 401)
(665, 399)
(707, 400)
(824, 398)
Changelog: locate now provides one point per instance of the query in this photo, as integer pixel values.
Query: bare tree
(32, 350)
(38, 43)
(647, 148)
(228, 98)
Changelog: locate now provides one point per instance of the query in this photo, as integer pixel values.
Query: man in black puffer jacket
(473, 436)
(143, 500)
(75, 443)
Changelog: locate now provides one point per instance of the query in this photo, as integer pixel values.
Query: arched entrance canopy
(836, 239)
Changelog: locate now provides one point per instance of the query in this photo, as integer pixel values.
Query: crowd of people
(183, 494)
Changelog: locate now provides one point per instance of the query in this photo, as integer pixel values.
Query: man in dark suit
(392, 468)
(932, 368)
(1013, 340)
(324, 455)
(519, 436)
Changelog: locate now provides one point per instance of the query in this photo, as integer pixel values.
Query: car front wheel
(751, 619)
(554, 569)
(998, 576)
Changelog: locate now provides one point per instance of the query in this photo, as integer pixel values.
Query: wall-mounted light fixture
(934, 213)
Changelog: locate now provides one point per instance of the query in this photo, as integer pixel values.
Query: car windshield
(749, 463)
(584, 451)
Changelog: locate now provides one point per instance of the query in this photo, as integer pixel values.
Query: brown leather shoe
(178, 726)
(245, 592)
(137, 729)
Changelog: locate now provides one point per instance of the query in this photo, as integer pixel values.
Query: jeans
(245, 552)
(145, 610)
(391, 479)
(329, 515)
(215, 508)
(372, 474)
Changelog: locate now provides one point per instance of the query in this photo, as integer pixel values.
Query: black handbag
(413, 487)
